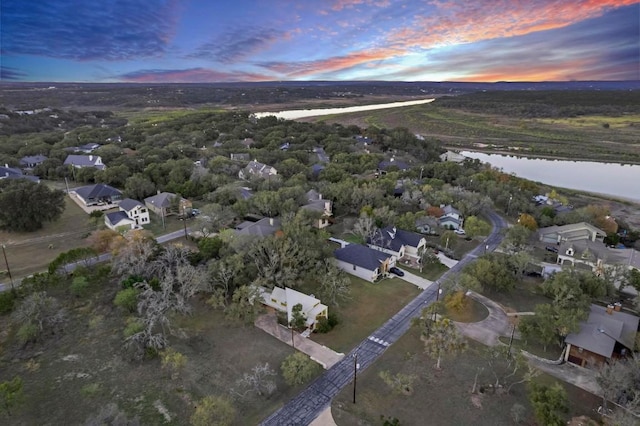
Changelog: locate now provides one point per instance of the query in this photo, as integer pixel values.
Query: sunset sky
(261, 40)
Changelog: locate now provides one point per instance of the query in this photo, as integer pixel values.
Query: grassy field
(584, 137)
(30, 252)
(523, 298)
(443, 397)
(72, 375)
(369, 307)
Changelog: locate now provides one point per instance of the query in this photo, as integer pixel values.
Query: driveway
(319, 353)
(491, 328)
(447, 261)
(414, 279)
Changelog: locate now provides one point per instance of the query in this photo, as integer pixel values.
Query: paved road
(102, 258)
(305, 407)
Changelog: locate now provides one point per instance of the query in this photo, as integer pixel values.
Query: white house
(119, 221)
(397, 242)
(364, 262)
(135, 210)
(451, 219)
(284, 299)
(571, 232)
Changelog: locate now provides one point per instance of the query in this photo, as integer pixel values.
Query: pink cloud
(459, 22)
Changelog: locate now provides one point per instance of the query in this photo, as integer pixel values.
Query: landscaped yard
(438, 397)
(369, 307)
(30, 252)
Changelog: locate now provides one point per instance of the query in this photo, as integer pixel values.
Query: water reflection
(619, 180)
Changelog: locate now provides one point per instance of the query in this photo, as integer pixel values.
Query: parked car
(396, 271)
(460, 231)
(552, 249)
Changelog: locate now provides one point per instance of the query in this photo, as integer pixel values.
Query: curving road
(305, 407)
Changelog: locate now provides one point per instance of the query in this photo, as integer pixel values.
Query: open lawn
(70, 376)
(30, 252)
(439, 397)
(582, 137)
(369, 307)
(523, 298)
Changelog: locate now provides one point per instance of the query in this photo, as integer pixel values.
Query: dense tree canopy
(27, 205)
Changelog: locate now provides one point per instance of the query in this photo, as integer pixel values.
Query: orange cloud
(527, 72)
(467, 22)
(320, 66)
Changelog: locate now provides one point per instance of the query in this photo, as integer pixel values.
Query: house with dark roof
(243, 156)
(386, 165)
(88, 148)
(261, 228)
(119, 221)
(364, 262)
(323, 208)
(31, 161)
(257, 169)
(397, 242)
(571, 232)
(80, 161)
(163, 204)
(98, 194)
(135, 211)
(7, 172)
(321, 155)
(608, 333)
(596, 256)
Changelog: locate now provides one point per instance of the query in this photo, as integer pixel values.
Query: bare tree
(335, 284)
(134, 258)
(38, 313)
(258, 381)
(279, 261)
(364, 228)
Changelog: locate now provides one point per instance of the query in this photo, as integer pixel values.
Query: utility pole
(509, 204)
(184, 214)
(13, 290)
(513, 331)
(438, 293)
(293, 342)
(355, 371)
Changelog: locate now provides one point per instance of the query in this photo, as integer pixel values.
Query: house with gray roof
(135, 211)
(31, 161)
(261, 228)
(386, 165)
(571, 232)
(323, 208)
(163, 204)
(119, 221)
(397, 242)
(321, 155)
(451, 218)
(257, 169)
(608, 333)
(364, 262)
(98, 194)
(80, 161)
(7, 172)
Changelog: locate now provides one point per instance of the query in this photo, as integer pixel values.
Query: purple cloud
(190, 75)
(10, 73)
(67, 29)
(237, 44)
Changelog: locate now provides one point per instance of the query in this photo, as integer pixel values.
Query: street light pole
(13, 290)
(438, 293)
(355, 371)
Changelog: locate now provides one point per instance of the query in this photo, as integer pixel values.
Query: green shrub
(325, 324)
(127, 299)
(133, 326)
(28, 333)
(79, 286)
(7, 302)
(131, 281)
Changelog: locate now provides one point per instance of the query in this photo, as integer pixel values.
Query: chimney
(610, 309)
(91, 158)
(617, 306)
(270, 221)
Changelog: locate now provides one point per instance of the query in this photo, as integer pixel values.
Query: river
(617, 180)
(301, 113)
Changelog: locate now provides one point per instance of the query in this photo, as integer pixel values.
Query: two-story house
(398, 242)
(451, 218)
(323, 208)
(257, 169)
